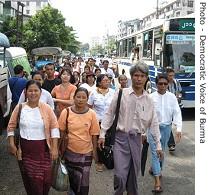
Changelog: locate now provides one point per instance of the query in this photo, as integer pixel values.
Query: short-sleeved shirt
(88, 87)
(109, 71)
(81, 128)
(50, 84)
(100, 102)
(45, 98)
(68, 94)
(17, 84)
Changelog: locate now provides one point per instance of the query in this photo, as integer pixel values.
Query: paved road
(178, 174)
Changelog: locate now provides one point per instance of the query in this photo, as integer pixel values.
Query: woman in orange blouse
(63, 94)
(83, 128)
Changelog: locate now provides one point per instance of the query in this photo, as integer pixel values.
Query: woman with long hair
(37, 144)
(76, 78)
(63, 94)
(83, 129)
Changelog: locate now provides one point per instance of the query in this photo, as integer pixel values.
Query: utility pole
(19, 22)
(157, 10)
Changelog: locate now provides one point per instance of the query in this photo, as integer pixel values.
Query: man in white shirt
(175, 88)
(168, 112)
(107, 70)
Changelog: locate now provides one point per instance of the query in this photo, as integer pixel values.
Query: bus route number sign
(182, 24)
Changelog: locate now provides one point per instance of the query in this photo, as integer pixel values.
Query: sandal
(172, 148)
(157, 189)
(99, 167)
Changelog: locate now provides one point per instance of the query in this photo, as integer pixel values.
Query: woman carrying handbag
(82, 132)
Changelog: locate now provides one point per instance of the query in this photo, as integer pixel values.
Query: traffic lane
(178, 174)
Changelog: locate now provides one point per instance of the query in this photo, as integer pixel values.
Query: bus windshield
(180, 53)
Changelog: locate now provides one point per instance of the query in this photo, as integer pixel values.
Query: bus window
(181, 56)
(147, 44)
(158, 51)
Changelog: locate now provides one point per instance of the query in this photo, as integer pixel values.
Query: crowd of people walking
(80, 99)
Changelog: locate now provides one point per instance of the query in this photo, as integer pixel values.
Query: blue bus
(165, 43)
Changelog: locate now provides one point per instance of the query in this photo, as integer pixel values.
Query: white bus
(165, 43)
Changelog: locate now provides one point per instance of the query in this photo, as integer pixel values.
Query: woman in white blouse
(90, 82)
(99, 100)
(37, 144)
(45, 95)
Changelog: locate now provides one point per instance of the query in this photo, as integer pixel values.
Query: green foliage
(47, 28)
(9, 28)
(84, 48)
(108, 49)
(111, 46)
(97, 50)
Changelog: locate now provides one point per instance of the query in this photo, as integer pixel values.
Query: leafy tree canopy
(47, 28)
(9, 28)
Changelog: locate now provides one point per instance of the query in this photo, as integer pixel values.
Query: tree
(111, 46)
(84, 48)
(73, 45)
(47, 28)
(97, 50)
(9, 28)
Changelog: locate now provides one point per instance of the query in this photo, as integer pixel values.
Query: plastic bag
(60, 177)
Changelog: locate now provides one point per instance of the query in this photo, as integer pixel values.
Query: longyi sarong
(35, 166)
(127, 162)
(78, 166)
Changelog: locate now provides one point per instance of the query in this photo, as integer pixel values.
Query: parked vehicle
(15, 56)
(44, 55)
(4, 102)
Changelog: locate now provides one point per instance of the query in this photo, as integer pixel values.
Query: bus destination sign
(182, 24)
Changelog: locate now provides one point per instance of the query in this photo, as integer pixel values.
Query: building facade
(31, 7)
(169, 9)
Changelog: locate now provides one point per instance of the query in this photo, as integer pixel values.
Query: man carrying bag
(136, 115)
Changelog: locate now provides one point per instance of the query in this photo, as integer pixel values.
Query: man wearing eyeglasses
(168, 112)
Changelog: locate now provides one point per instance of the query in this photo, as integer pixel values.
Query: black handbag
(107, 151)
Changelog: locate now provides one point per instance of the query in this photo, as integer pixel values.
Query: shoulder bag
(17, 134)
(107, 151)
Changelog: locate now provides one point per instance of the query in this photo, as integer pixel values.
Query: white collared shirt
(45, 98)
(167, 108)
(100, 102)
(109, 71)
(32, 125)
(88, 87)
